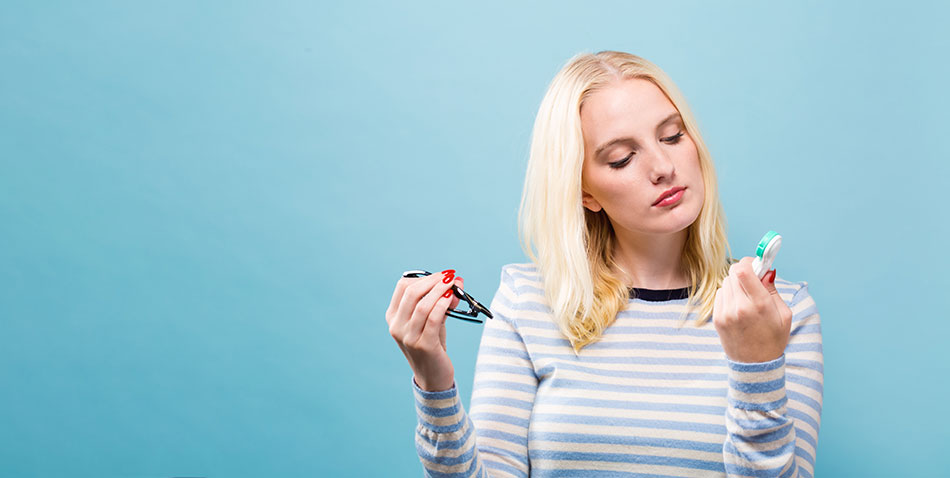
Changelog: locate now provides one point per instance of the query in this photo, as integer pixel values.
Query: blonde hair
(574, 246)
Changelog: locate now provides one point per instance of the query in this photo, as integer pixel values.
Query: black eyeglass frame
(475, 307)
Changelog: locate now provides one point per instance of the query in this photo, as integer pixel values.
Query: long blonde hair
(582, 284)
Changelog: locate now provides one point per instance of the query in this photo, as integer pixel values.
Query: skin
(416, 319)
(650, 239)
(752, 320)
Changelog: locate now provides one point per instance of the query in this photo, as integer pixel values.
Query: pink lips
(670, 197)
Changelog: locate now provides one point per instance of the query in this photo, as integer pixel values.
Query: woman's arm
(495, 436)
(774, 407)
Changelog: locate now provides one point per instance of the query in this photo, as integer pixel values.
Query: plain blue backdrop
(205, 206)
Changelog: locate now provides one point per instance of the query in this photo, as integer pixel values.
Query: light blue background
(204, 207)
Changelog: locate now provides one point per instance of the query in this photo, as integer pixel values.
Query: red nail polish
(449, 271)
(448, 278)
(772, 276)
(447, 294)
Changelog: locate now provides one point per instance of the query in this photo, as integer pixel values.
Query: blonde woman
(632, 344)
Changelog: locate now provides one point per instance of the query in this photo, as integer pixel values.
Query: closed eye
(668, 140)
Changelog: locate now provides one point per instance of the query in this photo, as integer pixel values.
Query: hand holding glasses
(475, 307)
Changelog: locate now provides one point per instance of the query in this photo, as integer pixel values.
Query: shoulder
(524, 272)
(521, 278)
(790, 289)
(797, 296)
(520, 291)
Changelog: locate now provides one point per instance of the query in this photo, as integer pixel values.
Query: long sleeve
(493, 441)
(774, 408)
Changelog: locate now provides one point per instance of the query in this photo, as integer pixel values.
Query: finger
(717, 304)
(420, 314)
(400, 289)
(435, 322)
(413, 292)
(750, 288)
(729, 297)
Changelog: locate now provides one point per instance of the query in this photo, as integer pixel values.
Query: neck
(651, 261)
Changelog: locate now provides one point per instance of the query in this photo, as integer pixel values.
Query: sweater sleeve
(774, 408)
(493, 441)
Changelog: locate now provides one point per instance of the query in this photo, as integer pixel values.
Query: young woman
(632, 344)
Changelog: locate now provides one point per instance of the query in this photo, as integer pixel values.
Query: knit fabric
(654, 397)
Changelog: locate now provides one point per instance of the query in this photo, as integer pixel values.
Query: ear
(589, 202)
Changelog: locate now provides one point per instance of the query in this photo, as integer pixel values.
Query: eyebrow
(601, 148)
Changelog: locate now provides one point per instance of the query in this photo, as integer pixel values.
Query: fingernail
(449, 271)
(447, 294)
(772, 276)
(448, 279)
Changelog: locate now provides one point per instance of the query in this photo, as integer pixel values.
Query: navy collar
(659, 295)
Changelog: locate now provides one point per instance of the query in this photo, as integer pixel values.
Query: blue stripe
(759, 407)
(767, 422)
(631, 405)
(523, 459)
(444, 443)
(756, 366)
(806, 329)
(746, 471)
(801, 398)
(799, 451)
(763, 438)
(805, 436)
(756, 454)
(500, 417)
(437, 412)
(626, 440)
(803, 347)
(633, 360)
(626, 458)
(491, 350)
(629, 422)
(573, 473)
(706, 376)
(465, 474)
(442, 428)
(804, 314)
(527, 289)
(687, 331)
(520, 440)
(810, 383)
(566, 383)
(625, 345)
(495, 465)
(504, 385)
(503, 401)
(757, 387)
(802, 417)
(807, 364)
(489, 367)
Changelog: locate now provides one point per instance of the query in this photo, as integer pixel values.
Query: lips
(667, 194)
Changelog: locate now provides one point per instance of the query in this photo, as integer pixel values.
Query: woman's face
(635, 149)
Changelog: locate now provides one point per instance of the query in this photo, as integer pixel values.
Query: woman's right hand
(416, 318)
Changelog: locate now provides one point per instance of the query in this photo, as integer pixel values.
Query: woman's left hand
(752, 319)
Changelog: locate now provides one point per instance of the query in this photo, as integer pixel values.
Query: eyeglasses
(475, 308)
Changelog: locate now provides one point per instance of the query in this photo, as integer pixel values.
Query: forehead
(624, 108)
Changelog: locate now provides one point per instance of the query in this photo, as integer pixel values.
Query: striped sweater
(651, 398)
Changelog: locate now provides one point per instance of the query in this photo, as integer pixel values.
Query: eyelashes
(669, 140)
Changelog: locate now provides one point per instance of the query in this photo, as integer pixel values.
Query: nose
(661, 167)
